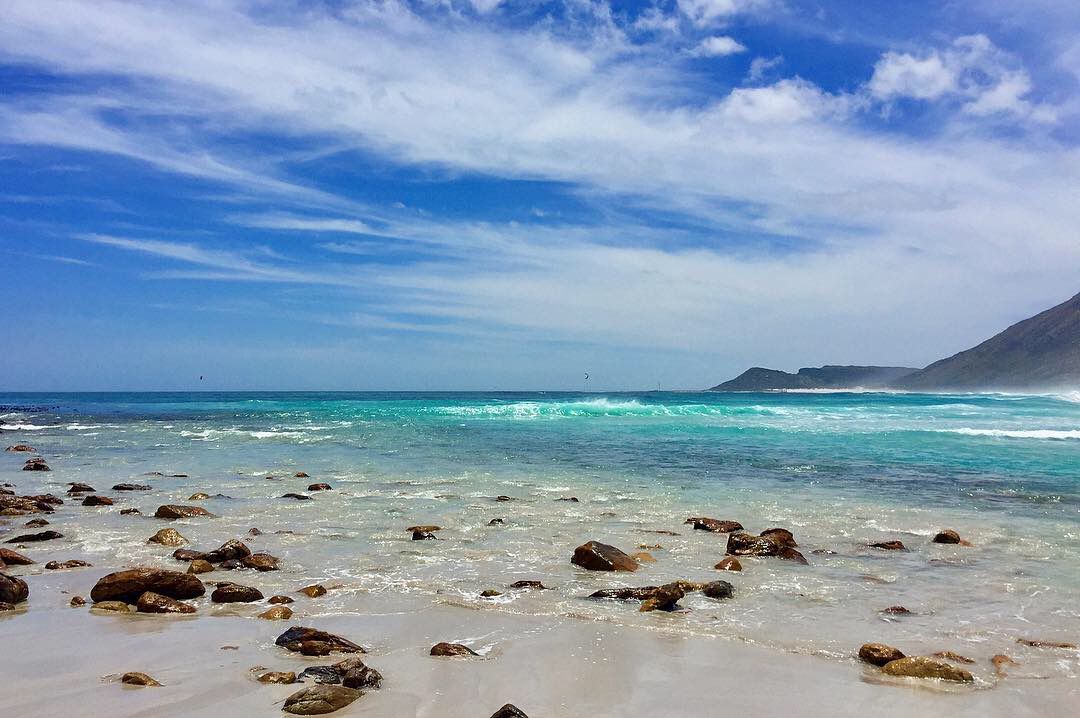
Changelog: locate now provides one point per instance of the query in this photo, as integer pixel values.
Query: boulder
(71, 563)
(228, 551)
(80, 488)
(277, 613)
(260, 562)
(313, 591)
(879, 654)
(42, 536)
(175, 511)
(702, 523)
(320, 487)
(744, 544)
(718, 589)
(14, 558)
(509, 711)
(782, 536)
(131, 487)
(320, 699)
(97, 501)
(922, 667)
(22, 447)
(36, 464)
(729, 563)
(168, 537)
(285, 677)
(130, 584)
(452, 649)
(296, 638)
(663, 598)
(227, 592)
(355, 674)
(138, 679)
(949, 536)
(13, 589)
(596, 556)
(890, 545)
(150, 602)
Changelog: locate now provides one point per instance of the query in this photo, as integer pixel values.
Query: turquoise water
(839, 469)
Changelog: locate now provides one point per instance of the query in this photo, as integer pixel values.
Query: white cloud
(719, 46)
(706, 12)
(903, 75)
(760, 67)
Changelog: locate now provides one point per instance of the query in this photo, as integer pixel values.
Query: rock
(228, 551)
(571, 499)
(320, 487)
(254, 532)
(729, 563)
(20, 505)
(279, 599)
(355, 674)
(5, 606)
(643, 557)
(187, 554)
(72, 563)
(42, 536)
(509, 711)
(111, 607)
(999, 662)
(528, 584)
(596, 556)
(744, 544)
(301, 475)
(168, 537)
(624, 594)
(130, 512)
(718, 589)
(490, 593)
(285, 677)
(951, 537)
(47, 499)
(131, 487)
(298, 497)
(97, 501)
(663, 598)
(175, 511)
(504, 498)
(22, 447)
(13, 589)
(130, 584)
(890, 545)
(702, 523)
(296, 638)
(895, 611)
(150, 602)
(951, 656)
(36, 464)
(783, 536)
(313, 591)
(14, 558)
(138, 679)
(79, 488)
(77, 601)
(327, 675)
(260, 562)
(423, 536)
(790, 554)
(36, 523)
(879, 654)
(922, 667)
(1044, 644)
(452, 649)
(227, 592)
(199, 496)
(320, 699)
(496, 522)
(277, 613)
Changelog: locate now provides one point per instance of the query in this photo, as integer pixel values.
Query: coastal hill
(1038, 353)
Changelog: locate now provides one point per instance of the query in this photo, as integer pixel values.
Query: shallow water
(840, 470)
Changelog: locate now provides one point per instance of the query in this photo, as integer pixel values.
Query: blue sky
(504, 195)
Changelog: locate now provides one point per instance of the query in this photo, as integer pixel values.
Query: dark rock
(14, 558)
(131, 487)
(77, 488)
(187, 554)
(320, 487)
(130, 584)
(509, 711)
(111, 607)
(97, 501)
(320, 699)
(624, 594)
(890, 545)
(789, 554)
(327, 675)
(168, 537)
(663, 598)
(490, 593)
(947, 536)
(296, 637)
(452, 649)
(279, 599)
(744, 544)
(895, 611)
(230, 565)
(42, 536)
(22, 447)
(260, 562)
(227, 592)
(1044, 644)
(571, 499)
(5, 606)
(783, 536)
(138, 679)
(703, 523)
(298, 497)
(48, 499)
(36, 464)
(72, 563)
(922, 667)
(496, 522)
(77, 601)
(355, 674)
(424, 536)
(13, 589)
(254, 532)
(228, 551)
(36, 523)
(300, 475)
(879, 654)
(150, 602)
(596, 556)
(175, 511)
(718, 589)
(729, 563)
(504, 498)
(130, 512)
(199, 496)
(313, 591)
(528, 584)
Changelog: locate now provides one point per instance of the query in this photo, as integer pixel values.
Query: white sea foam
(22, 427)
(1058, 434)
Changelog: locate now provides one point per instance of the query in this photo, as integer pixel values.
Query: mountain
(826, 377)
(1042, 352)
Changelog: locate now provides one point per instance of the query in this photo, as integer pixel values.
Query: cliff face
(825, 377)
(1042, 352)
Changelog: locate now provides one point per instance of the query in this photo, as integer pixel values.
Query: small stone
(138, 679)
(490, 593)
(200, 566)
(300, 475)
(150, 602)
(77, 601)
(320, 699)
(896, 611)
(313, 591)
(199, 496)
(890, 545)
(130, 512)
(280, 599)
(227, 592)
(509, 711)
(452, 649)
(879, 654)
(277, 613)
(175, 511)
(922, 667)
(71, 563)
(596, 556)
(729, 563)
(496, 522)
(168, 537)
(278, 677)
(320, 487)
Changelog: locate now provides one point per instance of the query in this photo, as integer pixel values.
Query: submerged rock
(744, 544)
(111, 607)
(300, 475)
(71, 563)
(135, 678)
(663, 598)
(509, 711)
(279, 599)
(36, 464)
(130, 584)
(277, 613)
(77, 601)
(13, 589)
(922, 667)
(36, 523)
(199, 496)
(596, 556)
(643, 557)
(320, 487)
(130, 512)
(718, 589)
(285, 677)
(150, 602)
(496, 522)
(298, 497)
(229, 551)
(879, 654)
(42, 536)
(79, 488)
(22, 447)
(999, 662)
(948, 536)
(952, 656)
(790, 554)
(1044, 644)
(168, 537)
(528, 584)
(260, 562)
(298, 637)
(703, 523)
(490, 593)
(227, 592)
(452, 649)
(624, 594)
(729, 563)
(131, 487)
(320, 699)
(176, 511)
(895, 611)
(890, 545)
(313, 591)
(187, 554)
(97, 501)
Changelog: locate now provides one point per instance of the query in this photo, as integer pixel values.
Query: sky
(501, 195)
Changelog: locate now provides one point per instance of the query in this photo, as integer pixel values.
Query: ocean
(840, 470)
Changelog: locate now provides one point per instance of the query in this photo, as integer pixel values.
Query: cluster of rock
(893, 662)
